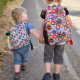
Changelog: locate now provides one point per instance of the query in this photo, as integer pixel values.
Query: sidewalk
(35, 67)
(34, 17)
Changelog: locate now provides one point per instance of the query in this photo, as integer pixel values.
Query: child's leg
(48, 55)
(17, 73)
(58, 57)
(24, 64)
(16, 68)
(57, 68)
(56, 75)
(25, 53)
(58, 60)
(17, 63)
(47, 67)
(23, 67)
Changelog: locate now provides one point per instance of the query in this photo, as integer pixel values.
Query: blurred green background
(2, 4)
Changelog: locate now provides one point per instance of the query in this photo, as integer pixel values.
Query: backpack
(18, 36)
(56, 28)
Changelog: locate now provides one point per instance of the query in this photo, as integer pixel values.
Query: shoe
(46, 77)
(18, 77)
(56, 76)
(23, 68)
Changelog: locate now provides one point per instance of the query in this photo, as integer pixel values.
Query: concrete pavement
(35, 12)
(35, 67)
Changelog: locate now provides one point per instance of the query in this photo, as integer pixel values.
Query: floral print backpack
(56, 29)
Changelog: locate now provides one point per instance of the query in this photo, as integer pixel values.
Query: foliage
(2, 4)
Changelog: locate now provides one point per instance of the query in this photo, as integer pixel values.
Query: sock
(47, 73)
(56, 74)
(17, 74)
(23, 66)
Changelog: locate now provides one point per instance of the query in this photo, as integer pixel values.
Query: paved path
(34, 17)
(35, 66)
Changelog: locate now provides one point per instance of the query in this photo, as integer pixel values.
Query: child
(57, 32)
(19, 15)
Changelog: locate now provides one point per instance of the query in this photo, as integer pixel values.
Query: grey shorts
(54, 52)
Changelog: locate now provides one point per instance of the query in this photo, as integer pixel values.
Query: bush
(2, 4)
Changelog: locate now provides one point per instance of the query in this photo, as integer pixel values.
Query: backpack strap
(24, 22)
(31, 43)
(30, 40)
(29, 35)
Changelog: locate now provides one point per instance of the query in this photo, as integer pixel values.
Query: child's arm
(34, 33)
(41, 32)
(70, 22)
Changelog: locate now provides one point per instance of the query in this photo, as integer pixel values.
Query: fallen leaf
(1, 60)
(1, 78)
(0, 53)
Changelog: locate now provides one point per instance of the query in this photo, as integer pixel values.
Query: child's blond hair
(17, 12)
(50, 1)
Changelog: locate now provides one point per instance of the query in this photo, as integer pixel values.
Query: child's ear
(20, 17)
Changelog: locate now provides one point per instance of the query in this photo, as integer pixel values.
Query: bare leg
(57, 68)
(17, 73)
(16, 68)
(47, 67)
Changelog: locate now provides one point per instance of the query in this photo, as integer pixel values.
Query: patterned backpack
(18, 36)
(56, 28)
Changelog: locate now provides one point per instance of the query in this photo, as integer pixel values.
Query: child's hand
(41, 41)
(67, 42)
